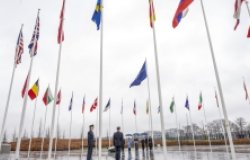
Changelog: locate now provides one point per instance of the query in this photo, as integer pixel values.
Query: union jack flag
(33, 43)
(19, 48)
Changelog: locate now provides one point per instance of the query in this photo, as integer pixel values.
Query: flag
(140, 77)
(25, 85)
(83, 104)
(172, 106)
(181, 12)
(107, 106)
(33, 43)
(248, 34)
(134, 109)
(94, 105)
(237, 9)
(217, 99)
(58, 97)
(200, 102)
(147, 107)
(60, 35)
(47, 98)
(71, 102)
(245, 89)
(33, 92)
(19, 48)
(97, 14)
(152, 16)
(187, 104)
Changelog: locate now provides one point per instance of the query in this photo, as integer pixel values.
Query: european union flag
(140, 77)
(97, 14)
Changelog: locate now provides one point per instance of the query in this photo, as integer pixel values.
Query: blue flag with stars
(97, 14)
(140, 77)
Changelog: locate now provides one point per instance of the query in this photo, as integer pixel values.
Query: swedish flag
(97, 14)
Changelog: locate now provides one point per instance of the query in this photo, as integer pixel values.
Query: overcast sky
(184, 59)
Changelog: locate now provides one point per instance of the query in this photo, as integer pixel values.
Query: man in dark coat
(91, 142)
(118, 141)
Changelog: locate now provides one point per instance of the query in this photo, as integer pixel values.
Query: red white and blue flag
(34, 40)
(237, 9)
(181, 12)
(248, 34)
(19, 48)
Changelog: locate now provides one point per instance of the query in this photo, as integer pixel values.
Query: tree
(241, 122)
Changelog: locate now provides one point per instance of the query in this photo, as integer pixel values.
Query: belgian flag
(33, 92)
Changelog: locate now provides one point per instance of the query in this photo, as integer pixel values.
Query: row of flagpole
(33, 50)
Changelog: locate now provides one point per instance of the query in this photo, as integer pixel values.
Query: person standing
(143, 144)
(91, 142)
(118, 141)
(129, 144)
(150, 143)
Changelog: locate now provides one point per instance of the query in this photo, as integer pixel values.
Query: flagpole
(122, 118)
(192, 129)
(97, 133)
(159, 92)
(178, 128)
(26, 97)
(223, 130)
(219, 85)
(83, 125)
(101, 82)
(57, 124)
(109, 127)
(32, 129)
(8, 99)
(150, 108)
(7, 105)
(208, 133)
(44, 129)
(69, 144)
(55, 92)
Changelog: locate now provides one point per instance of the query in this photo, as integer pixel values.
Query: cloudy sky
(184, 59)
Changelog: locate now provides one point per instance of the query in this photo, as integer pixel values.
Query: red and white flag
(58, 97)
(245, 89)
(237, 9)
(60, 35)
(94, 105)
(25, 86)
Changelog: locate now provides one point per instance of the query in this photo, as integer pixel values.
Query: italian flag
(200, 102)
(47, 98)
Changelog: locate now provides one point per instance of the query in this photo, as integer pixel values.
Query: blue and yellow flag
(97, 14)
